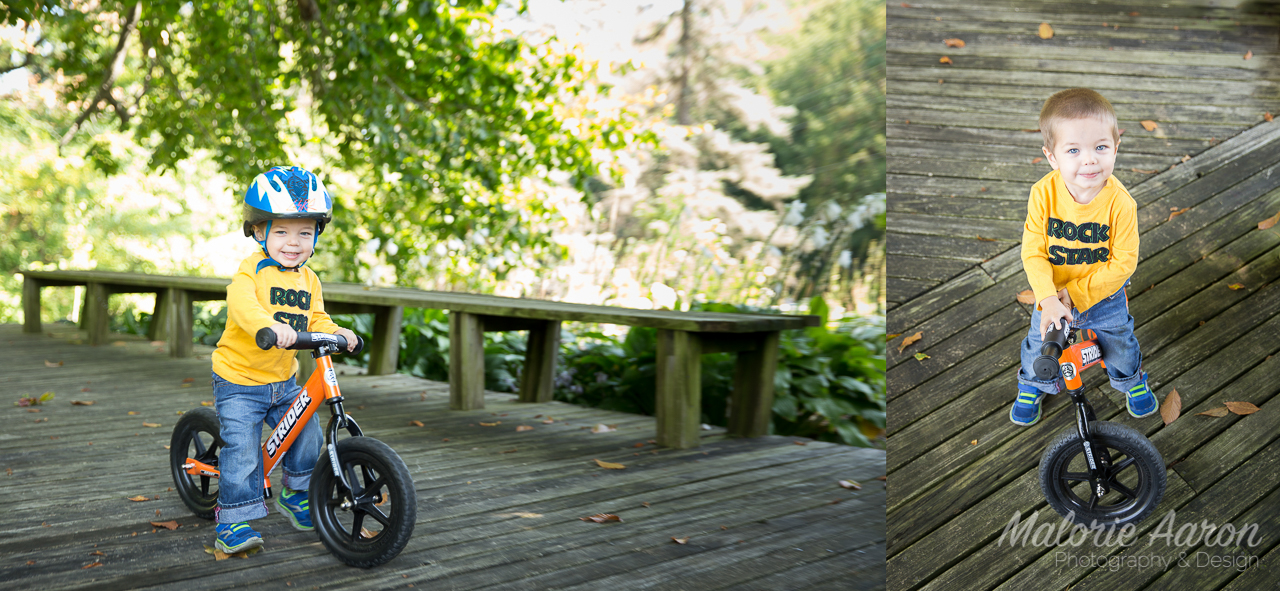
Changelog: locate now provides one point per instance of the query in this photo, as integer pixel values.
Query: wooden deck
(497, 508)
(959, 174)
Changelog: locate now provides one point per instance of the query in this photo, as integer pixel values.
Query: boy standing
(1079, 248)
(285, 210)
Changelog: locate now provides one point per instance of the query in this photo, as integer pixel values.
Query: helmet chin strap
(270, 262)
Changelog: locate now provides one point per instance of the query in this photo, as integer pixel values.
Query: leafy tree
(425, 117)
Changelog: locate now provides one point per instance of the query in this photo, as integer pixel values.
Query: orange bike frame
(1078, 357)
(322, 386)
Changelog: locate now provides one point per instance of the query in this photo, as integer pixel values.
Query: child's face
(290, 242)
(1084, 152)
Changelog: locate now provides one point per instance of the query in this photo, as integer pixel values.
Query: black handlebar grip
(266, 339)
(1055, 340)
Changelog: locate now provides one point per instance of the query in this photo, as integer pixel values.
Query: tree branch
(109, 81)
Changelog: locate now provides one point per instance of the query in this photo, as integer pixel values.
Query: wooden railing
(682, 338)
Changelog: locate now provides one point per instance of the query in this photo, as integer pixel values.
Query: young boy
(285, 210)
(1079, 248)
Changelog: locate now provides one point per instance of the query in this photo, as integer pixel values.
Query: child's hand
(1052, 312)
(350, 336)
(285, 335)
(1065, 298)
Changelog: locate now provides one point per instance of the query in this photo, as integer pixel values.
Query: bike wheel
(196, 436)
(1135, 481)
(371, 523)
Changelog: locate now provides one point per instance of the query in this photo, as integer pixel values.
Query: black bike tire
(1150, 465)
(364, 553)
(200, 420)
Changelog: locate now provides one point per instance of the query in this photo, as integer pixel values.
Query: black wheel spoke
(1116, 468)
(1124, 490)
(1075, 477)
(200, 449)
(357, 525)
(377, 515)
(204, 485)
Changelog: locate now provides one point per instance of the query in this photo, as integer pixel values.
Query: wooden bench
(682, 339)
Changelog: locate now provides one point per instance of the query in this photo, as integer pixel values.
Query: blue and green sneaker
(236, 537)
(1026, 408)
(1141, 400)
(293, 504)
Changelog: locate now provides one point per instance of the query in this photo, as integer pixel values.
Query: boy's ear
(1053, 162)
(258, 232)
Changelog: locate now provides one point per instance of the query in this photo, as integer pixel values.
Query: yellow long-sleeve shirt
(1091, 250)
(256, 300)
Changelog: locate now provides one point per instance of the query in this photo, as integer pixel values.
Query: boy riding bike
(285, 210)
(1079, 248)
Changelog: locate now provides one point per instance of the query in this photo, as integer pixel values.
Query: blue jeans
(242, 410)
(1111, 321)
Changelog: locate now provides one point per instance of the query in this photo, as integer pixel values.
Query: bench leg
(540, 357)
(384, 351)
(466, 361)
(96, 320)
(751, 410)
(159, 328)
(679, 388)
(30, 305)
(179, 323)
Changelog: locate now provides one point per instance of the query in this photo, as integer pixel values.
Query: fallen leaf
(1149, 125)
(1177, 212)
(800, 442)
(984, 239)
(1248, 54)
(48, 363)
(891, 336)
(939, 81)
(119, 344)
(1037, 160)
(644, 503)
(609, 465)
(602, 517)
(920, 356)
(1235, 287)
(548, 421)
(493, 424)
(944, 60)
(1220, 411)
(1241, 408)
(97, 553)
(139, 499)
(92, 564)
(849, 484)
(509, 451)
(133, 412)
(1185, 157)
(1144, 171)
(152, 425)
(974, 442)
(8, 471)
(188, 380)
(1046, 32)
(169, 525)
(523, 428)
(1032, 130)
(1268, 223)
(206, 403)
(1027, 297)
(1268, 116)
(82, 403)
(909, 340)
(684, 540)
(416, 423)
(954, 42)
(366, 534)
(602, 428)
(220, 555)
(882, 478)
(1133, 14)
(1172, 407)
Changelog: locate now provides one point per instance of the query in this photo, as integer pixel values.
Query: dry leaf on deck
(169, 525)
(523, 428)
(1144, 171)
(82, 403)
(152, 425)
(48, 363)
(609, 465)
(1037, 160)
(1268, 223)
(1172, 407)
(206, 403)
(132, 412)
(602, 428)
(493, 424)
(1268, 117)
(1175, 212)
(849, 484)
(909, 340)
(1027, 296)
(92, 564)
(602, 517)
(1149, 125)
(954, 42)
(139, 499)
(920, 356)
(366, 534)
(1241, 408)
(944, 60)
(1220, 411)
(416, 423)
(1248, 54)
(188, 380)
(1235, 286)
(1046, 32)
(800, 442)
(984, 239)
(684, 540)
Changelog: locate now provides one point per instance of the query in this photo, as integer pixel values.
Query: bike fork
(1097, 456)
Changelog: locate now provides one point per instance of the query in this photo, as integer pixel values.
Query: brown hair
(1075, 103)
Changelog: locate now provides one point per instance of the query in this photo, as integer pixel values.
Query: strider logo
(1090, 354)
(286, 425)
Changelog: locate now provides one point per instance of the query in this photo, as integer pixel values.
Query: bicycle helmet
(285, 193)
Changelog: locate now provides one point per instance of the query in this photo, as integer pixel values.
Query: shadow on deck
(1205, 296)
(497, 508)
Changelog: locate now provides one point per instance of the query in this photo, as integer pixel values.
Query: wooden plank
(901, 289)
(944, 354)
(466, 361)
(927, 269)
(1201, 574)
(30, 304)
(908, 407)
(1223, 453)
(97, 315)
(679, 389)
(936, 225)
(968, 249)
(936, 300)
(969, 303)
(540, 358)
(751, 406)
(384, 349)
(959, 206)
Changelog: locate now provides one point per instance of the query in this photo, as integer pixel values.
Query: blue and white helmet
(287, 192)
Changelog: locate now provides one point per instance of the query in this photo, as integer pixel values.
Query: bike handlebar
(1055, 340)
(266, 339)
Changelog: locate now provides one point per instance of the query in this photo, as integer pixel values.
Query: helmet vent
(299, 192)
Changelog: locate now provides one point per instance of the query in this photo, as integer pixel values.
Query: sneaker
(236, 537)
(293, 504)
(1141, 400)
(1026, 409)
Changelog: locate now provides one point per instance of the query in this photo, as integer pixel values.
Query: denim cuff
(1125, 384)
(255, 509)
(297, 481)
